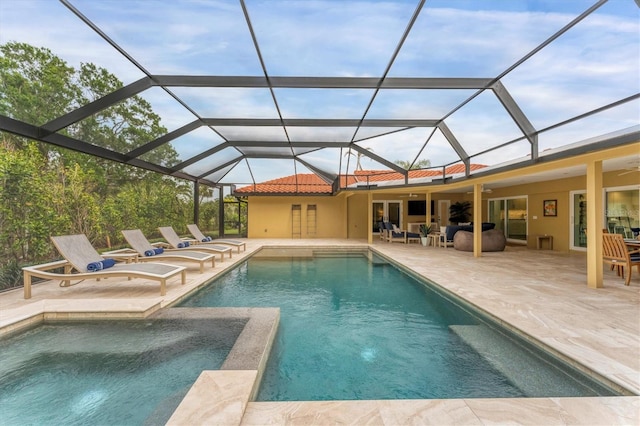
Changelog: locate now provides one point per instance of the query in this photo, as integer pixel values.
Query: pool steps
(512, 359)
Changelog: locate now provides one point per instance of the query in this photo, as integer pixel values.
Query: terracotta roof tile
(309, 183)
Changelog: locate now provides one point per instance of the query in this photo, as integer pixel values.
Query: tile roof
(305, 183)
(309, 183)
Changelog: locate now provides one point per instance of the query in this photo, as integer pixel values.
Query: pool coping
(221, 396)
(75, 310)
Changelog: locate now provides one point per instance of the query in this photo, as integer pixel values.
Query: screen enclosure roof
(250, 91)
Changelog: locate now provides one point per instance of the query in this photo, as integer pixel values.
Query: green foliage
(425, 230)
(10, 274)
(81, 207)
(28, 204)
(45, 190)
(146, 206)
(35, 85)
(459, 212)
(235, 214)
(421, 164)
(209, 215)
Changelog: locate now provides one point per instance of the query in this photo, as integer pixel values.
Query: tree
(358, 156)
(35, 85)
(28, 205)
(81, 204)
(121, 128)
(408, 165)
(47, 190)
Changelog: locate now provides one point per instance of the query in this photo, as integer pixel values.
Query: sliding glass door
(621, 208)
(578, 228)
(389, 211)
(621, 211)
(510, 216)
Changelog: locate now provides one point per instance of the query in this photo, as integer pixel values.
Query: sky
(593, 64)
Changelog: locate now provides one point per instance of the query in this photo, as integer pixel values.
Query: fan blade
(637, 169)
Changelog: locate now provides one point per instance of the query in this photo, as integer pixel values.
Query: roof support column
(221, 212)
(429, 212)
(196, 203)
(477, 220)
(594, 224)
(370, 217)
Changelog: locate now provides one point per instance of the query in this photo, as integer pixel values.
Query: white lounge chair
(174, 240)
(143, 247)
(195, 231)
(79, 254)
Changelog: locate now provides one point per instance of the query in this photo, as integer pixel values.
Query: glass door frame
(572, 212)
(385, 214)
(572, 219)
(605, 202)
(505, 220)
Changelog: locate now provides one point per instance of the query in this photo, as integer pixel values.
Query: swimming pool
(356, 327)
(108, 372)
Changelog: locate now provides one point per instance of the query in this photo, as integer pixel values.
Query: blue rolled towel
(183, 245)
(94, 266)
(209, 239)
(108, 263)
(98, 266)
(159, 250)
(149, 252)
(205, 239)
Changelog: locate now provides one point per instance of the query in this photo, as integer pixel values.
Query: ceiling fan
(482, 189)
(409, 195)
(630, 170)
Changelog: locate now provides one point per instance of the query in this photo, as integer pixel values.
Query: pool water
(353, 328)
(108, 372)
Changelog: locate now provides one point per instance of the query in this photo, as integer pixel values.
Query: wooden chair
(616, 253)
